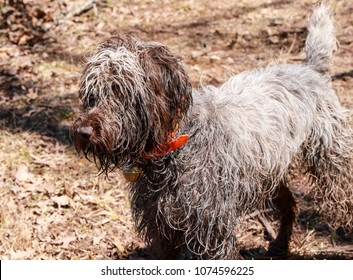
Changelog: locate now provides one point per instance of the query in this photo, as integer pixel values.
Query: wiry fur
(321, 41)
(245, 138)
(125, 76)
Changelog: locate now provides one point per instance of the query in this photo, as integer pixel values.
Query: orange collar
(173, 143)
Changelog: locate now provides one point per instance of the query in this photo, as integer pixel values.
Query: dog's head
(134, 93)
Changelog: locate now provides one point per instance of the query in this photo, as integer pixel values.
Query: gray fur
(246, 137)
(321, 40)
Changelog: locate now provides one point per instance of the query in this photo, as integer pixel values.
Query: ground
(53, 203)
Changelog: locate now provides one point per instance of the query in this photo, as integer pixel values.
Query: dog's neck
(134, 172)
(172, 143)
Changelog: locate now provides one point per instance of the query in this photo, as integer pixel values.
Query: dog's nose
(85, 131)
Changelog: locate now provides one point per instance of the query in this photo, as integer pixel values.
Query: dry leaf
(22, 174)
(21, 254)
(64, 241)
(97, 239)
(69, 191)
(63, 201)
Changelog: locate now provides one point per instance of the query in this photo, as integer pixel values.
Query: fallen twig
(88, 5)
(267, 225)
(77, 11)
(263, 221)
(256, 213)
(335, 249)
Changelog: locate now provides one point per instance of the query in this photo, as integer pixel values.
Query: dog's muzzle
(81, 137)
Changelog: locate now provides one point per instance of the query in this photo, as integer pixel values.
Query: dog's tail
(321, 41)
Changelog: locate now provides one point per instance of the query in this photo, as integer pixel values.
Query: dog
(200, 160)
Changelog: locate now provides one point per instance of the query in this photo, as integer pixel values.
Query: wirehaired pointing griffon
(199, 161)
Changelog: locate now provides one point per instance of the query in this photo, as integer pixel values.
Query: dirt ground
(52, 203)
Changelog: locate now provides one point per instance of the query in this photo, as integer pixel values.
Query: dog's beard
(106, 162)
(112, 142)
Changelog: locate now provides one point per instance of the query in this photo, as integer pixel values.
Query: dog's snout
(85, 131)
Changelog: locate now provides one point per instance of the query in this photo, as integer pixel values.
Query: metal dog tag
(132, 173)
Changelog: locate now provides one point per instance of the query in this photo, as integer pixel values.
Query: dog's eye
(91, 102)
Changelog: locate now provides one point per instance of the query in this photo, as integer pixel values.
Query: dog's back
(277, 110)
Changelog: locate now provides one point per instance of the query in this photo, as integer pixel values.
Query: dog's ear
(168, 82)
